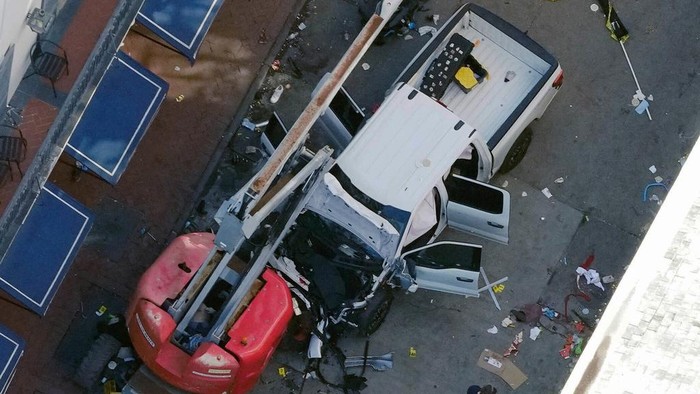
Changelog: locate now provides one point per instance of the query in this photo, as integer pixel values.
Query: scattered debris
(365, 66)
(646, 190)
(513, 348)
(535, 332)
(643, 106)
(592, 276)
(498, 288)
(436, 18)
(546, 192)
(346, 36)
(281, 371)
(101, 310)
(585, 311)
(180, 98)
(302, 26)
(262, 37)
(565, 352)
(293, 35)
(492, 330)
(177, 68)
(652, 169)
(650, 97)
(594, 7)
(503, 367)
(275, 65)
(423, 30)
(528, 313)
(378, 363)
(550, 313)
(412, 352)
(608, 279)
(507, 322)
(524, 194)
(542, 218)
(505, 184)
(682, 160)
(509, 76)
(559, 180)
(277, 94)
(408, 37)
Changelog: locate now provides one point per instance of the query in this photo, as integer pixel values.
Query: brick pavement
(162, 180)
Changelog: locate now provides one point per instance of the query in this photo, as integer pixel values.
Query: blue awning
(181, 23)
(44, 247)
(11, 348)
(116, 117)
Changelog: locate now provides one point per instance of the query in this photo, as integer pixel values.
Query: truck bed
(499, 48)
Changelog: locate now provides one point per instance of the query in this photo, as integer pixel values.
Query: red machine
(231, 366)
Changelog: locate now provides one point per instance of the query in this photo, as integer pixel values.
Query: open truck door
(447, 266)
(478, 208)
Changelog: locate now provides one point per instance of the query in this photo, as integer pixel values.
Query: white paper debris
(436, 18)
(507, 322)
(177, 68)
(542, 218)
(682, 160)
(591, 275)
(505, 184)
(302, 26)
(408, 37)
(639, 95)
(524, 194)
(594, 7)
(546, 192)
(423, 30)
(658, 179)
(650, 97)
(365, 66)
(534, 332)
(652, 169)
(518, 338)
(492, 330)
(559, 180)
(608, 279)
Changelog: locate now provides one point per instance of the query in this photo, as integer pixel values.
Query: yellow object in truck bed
(465, 78)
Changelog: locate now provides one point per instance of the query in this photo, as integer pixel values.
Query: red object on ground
(589, 261)
(233, 366)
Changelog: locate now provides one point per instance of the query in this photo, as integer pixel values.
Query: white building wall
(14, 31)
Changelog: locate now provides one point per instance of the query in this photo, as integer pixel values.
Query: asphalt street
(590, 136)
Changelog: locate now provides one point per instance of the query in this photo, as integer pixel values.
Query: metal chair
(49, 60)
(13, 149)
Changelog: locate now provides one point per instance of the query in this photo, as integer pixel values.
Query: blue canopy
(11, 349)
(116, 117)
(44, 247)
(181, 23)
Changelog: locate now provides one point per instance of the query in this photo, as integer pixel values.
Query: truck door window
(474, 195)
(447, 255)
(467, 165)
(346, 110)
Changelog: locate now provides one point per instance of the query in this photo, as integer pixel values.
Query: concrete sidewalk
(138, 216)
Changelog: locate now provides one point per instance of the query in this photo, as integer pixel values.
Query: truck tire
(517, 151)
(371, 318)
(102, 350)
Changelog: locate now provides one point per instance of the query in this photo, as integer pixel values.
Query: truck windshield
(397, 217)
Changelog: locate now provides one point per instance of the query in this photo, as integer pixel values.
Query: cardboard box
(503, 367)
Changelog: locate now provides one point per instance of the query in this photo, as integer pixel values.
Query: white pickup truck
(517, 80)
(418, 165)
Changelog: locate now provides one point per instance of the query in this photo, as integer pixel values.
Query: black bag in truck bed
(443, 69)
